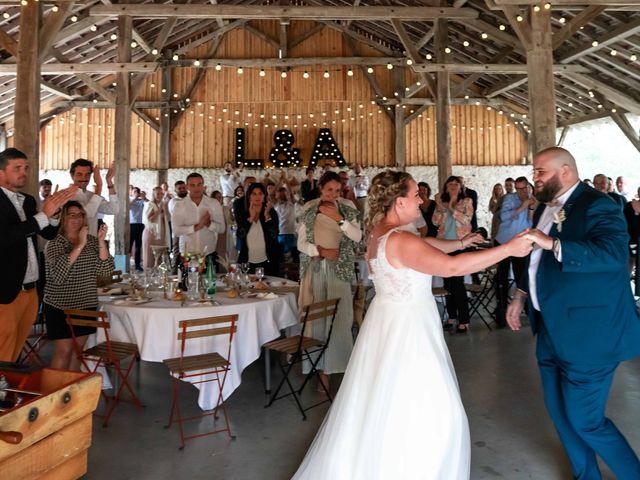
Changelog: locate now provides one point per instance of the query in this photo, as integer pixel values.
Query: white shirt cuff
(42, 219)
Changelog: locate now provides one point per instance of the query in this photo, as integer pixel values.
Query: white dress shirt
(17, 199)
(94, 205)
(286, 217)
(544, 225)
(228, 183)
(360, 184)
(186, 215)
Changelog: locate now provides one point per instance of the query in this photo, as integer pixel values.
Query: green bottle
(211, 277)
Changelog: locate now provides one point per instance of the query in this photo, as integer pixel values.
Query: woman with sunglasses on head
(74, 261)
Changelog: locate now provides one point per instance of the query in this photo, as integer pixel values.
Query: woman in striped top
(74, 261)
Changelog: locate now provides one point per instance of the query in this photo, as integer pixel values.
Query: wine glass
(244, 267)
(259, 273)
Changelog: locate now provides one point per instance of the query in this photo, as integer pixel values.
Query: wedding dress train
(398, 413)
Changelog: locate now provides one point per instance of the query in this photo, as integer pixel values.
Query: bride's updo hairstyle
(385, 188)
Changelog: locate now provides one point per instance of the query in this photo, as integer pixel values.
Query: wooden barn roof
(596, 47)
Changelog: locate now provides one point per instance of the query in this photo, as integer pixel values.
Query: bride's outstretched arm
(406, 250)
(448, 246)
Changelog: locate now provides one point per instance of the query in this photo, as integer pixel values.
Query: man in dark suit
(309, 187)
(581, 307)
(19, 223)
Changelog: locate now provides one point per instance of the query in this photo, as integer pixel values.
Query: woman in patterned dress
(74, 261)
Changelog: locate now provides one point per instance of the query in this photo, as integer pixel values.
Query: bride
(398, 413)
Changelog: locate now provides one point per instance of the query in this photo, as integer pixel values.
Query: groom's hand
(543, 240)
(514, 311)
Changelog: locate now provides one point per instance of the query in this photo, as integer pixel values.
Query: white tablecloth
(153, 327)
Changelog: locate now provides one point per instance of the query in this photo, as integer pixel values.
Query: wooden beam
(412, 53)
(262, 36)
(443, 106)
(88, 81)
(140, 40)
(500, 88)
(75, 68)
(507, 68)
(620, 33)
(146, 118)
(580, 20)
(471, 79)
(584, 118)
(378, 46)
(373, 83)
(522, 28)
(282, 50)
(276, 12)
(27, 117)
(563, 3)
(308, 34)
(503, 37)
(59, 91)
(623, 123)
(165, 126)
(415, 114)
(425, 38)
(8, 43)
(51, 27)
(563, 135)
(122, 148)
(400, 148)
(209, 36)
(621, 99)
(542, 106)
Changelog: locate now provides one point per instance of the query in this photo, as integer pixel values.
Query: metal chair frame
(305, 347)
(482, 295)
(184, 368)
(108, 354)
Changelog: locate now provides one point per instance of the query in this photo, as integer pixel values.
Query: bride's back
(399, 284)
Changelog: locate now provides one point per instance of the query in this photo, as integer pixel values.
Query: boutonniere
(558, 218)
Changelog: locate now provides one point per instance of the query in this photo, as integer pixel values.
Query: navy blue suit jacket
(586, 301)
(14, 235)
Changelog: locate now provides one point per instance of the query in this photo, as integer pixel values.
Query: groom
(581, 307)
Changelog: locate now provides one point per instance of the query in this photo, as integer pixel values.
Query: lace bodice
(396, 283)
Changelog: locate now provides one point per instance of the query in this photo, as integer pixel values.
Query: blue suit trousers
(576, 396)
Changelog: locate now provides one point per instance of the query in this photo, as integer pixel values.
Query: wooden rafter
(563, 3)
(73, 68)
(8, 43)
(577, 22)
(467, 82)
(308, 34)
(262, 36)
(211, 36)
(621, 120)
(276, 12)
(507, 68)
(620, 33)
(412, 53)
(522, 28)
(621, 99)
(51, 26)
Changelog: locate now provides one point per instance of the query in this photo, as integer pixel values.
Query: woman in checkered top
(74, 261)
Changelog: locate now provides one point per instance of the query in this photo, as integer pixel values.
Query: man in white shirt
(229, 182)
(360, 184)
(621, 189)
(81, 171)
(198, 219)
(285, 209)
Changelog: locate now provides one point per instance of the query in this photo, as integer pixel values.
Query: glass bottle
(211, 277)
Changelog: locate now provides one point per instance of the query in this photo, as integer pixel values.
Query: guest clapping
(258, 231)
(156, 227)
(74, 261)
(453, 215)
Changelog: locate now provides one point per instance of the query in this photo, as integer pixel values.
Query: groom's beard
(549, 189)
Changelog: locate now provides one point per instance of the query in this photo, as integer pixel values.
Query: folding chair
(301, 348)
(482, 295)
(440, 296)
(34, 343)
(108, 354)
(209, 366)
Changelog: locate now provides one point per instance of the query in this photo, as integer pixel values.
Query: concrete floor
(511, 435)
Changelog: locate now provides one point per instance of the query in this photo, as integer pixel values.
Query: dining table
(152, 323)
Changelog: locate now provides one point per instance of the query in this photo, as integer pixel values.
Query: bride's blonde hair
(385, 188)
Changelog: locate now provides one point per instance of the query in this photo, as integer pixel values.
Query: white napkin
(267, 296)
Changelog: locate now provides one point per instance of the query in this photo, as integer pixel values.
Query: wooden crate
(55, 443)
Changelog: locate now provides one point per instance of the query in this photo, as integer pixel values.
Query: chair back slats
(80, 322)
(80, 318)
(199, 322)
(209, 332)
(323, 309)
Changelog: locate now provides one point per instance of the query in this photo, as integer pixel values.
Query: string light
(305, 74)
(389, 66)
(175, 57)
(262, 72)
(6, 15)
(93, 28)
(519, 18)
(326, 74)
(547, 6)
(409, 61)
(466, 43)
(240, 70)
(484, 35)
(114, 36)
(283, 74)
(633, 57)
(350, 73)
(369, 69)
(218, 67)
(536, 8)
(502, 27)
(428, 56)
(614, 53)
(594, 43)
(447, 50)
(154, 51)
(55, 8)
(134, 44)
(74, 18)
(562, 20)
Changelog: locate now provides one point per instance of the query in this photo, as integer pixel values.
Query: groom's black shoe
(448, 326)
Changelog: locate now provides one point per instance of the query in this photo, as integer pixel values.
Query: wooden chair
(440, 296)
(299, 348)
(208, 366)
(109, 354)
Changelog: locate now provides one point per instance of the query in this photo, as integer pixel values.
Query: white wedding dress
(398, 413)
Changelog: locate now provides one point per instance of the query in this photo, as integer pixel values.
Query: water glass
(259, 273)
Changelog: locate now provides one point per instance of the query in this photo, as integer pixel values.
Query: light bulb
(262, 72)
(484, 36)
(175, 57)
(466, 43)
(409, 61)
(134, 44)
(218, 67)
(350, 73)
(74, 18)
(93, 28)
(562, 20)
(283, 74)
(55, 8)
(594, 43)
(369, 69)
(196, 63)
(519, 18)
(502, 27)
(154, 51)
(240, 70)
(305, 74)
(114, 36)
(389, 66)
(429, 56)
(326, 74)
(447, 50)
